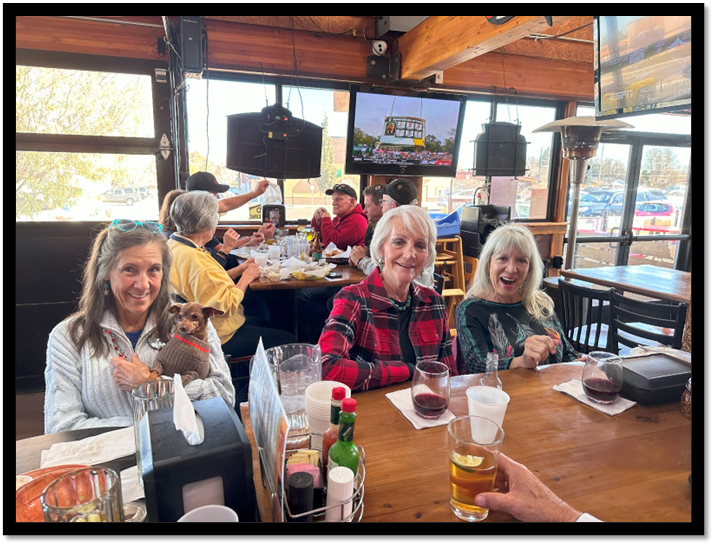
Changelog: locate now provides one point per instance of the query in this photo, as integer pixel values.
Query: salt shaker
(687, 400)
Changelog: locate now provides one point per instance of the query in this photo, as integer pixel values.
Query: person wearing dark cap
(348, 226)
(399, 192)
(205, 181)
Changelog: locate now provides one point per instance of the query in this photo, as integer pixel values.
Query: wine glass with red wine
(431, 390)
(602, 377)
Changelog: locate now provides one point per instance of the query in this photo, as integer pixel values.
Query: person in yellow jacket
(197, 277)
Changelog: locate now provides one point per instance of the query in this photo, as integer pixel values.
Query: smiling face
(405, 254)
(508, 271)
(135, 282)
(342, 204)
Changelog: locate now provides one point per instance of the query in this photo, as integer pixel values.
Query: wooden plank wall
(243, 47)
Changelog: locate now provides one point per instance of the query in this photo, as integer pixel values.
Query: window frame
(280, 83)
(127, 145)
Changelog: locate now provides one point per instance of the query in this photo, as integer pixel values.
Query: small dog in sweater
(187, 352)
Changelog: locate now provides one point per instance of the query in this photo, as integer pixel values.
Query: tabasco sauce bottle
(329, 437)
(344, 452)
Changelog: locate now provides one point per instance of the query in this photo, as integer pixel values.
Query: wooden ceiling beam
(441, 42)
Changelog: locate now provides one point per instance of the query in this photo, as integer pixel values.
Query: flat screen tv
(403, 133)
(643, 64)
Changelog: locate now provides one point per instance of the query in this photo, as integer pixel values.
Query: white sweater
(81, 391)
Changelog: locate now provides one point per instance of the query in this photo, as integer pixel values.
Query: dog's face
(192, 317)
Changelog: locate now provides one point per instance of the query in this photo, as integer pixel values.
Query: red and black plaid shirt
(360, 342)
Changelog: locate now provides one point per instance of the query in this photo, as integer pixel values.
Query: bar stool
(449, 263)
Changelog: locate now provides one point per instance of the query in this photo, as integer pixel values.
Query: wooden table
(629, 467)
(648, 280)
(350, 275)
(657, 282)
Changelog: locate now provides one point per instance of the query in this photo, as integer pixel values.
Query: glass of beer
(474, 449)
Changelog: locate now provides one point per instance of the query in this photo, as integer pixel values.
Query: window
(329, 109)
(526, 195)
(65, 121)
(612, 231)
(208, 102)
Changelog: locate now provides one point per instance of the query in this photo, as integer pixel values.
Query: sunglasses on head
(130, 225)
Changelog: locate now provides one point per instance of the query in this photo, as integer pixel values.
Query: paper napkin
(92, 450)
(131, 488)
(575, 388)
(402, 400)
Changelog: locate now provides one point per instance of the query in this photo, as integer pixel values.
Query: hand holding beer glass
(474, 449)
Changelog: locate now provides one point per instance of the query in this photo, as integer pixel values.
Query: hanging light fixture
(580, 136)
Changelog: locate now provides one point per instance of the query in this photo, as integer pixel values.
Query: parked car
(127, 195)
(662, 213)
(608, 202)
(143, 192)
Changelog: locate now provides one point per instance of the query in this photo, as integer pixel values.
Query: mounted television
(643, 65)
(403, 133)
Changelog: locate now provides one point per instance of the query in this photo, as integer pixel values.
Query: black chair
(438, 283)
(584, 316)
(634, 322)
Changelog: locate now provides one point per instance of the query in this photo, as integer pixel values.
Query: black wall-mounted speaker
(479, 221)
(500, 150)
(191, 44)
(274, 144)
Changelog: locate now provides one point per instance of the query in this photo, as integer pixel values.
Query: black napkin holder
(274, 213)
(654, 378)
(171, 467)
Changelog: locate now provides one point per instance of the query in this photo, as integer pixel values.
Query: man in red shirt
(348, 226)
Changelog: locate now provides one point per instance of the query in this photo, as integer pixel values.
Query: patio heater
(580, 136)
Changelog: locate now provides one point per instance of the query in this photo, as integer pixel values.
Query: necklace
(154, 342)
(402, 307)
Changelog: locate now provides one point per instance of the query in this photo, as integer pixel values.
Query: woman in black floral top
(505, 311)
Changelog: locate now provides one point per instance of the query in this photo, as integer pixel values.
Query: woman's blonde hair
(519, 239)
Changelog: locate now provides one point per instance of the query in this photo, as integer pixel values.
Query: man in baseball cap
(399, 192)
(348, 226)
(205, 181)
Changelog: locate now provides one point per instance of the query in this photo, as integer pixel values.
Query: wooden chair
(583, 316)
(634, 322)
(449, 263)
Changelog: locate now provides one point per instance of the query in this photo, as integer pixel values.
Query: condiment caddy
(318, 513)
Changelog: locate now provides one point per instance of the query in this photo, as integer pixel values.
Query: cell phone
(334, 275)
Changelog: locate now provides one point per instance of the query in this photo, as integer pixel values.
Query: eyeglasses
(383, 201)
(130, 225)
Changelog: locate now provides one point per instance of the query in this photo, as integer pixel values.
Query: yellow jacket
(197, 277)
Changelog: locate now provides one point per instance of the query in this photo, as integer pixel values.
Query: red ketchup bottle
(329, 437)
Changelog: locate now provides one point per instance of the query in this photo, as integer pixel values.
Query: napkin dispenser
(655, 378)
(274, 213)
(179, 477)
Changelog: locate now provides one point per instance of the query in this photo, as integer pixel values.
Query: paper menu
(270, 427)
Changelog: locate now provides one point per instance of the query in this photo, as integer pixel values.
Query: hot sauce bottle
(330, 434)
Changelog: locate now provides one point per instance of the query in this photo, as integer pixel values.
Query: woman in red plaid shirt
(381, 328)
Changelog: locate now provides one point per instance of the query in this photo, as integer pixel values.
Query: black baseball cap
(401, 190)
(342, 188)
(205, 181)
